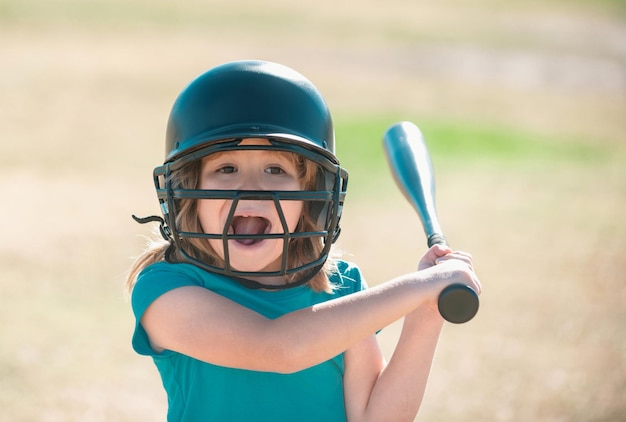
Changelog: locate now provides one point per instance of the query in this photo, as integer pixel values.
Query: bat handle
(458, 303)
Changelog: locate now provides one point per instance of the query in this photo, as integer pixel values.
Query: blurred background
(523, 106)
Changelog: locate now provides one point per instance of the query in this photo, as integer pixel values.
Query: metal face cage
(324, 204)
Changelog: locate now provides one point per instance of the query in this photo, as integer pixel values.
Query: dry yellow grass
(83, 103)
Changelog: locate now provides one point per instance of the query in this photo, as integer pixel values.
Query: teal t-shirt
(199, 391)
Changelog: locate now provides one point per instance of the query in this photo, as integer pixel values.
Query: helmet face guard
(214, 113)
(323, 204)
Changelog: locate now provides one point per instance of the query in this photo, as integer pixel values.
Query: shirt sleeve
(153, 282)
(349, 278)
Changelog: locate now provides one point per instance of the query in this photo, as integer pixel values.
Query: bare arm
(211, 328)
(394, 391)
(398, 387)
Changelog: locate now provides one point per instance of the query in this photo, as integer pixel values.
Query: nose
(249, 181)
(262, 199)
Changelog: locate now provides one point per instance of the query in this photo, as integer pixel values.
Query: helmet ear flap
(161, 176)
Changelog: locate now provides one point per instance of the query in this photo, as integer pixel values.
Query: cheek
(293, 211)
(202, 211)
(208, 215)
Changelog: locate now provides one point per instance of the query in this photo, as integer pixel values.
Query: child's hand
(438, 254)
(449, 267)
(432, 255)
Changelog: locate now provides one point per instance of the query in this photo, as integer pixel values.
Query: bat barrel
(412, 170)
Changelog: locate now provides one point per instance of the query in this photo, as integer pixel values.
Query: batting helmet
(252, 99)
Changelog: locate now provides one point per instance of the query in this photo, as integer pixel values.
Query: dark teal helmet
(252, 99)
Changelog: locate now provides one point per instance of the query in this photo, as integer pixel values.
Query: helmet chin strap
(163, 229)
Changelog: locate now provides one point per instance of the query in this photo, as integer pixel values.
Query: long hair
(301, 250)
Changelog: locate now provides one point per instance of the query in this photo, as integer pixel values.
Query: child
(243, 308)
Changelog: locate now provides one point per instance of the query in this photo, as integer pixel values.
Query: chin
(260, 267)
(261, 256)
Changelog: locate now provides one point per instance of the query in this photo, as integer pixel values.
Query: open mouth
(249, 226)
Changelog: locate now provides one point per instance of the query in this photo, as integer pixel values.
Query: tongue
(249, 225)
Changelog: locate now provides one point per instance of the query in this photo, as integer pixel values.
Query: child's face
(250, 170)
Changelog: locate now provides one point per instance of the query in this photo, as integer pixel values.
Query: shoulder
(159, 278)
(167, 275)
(152, 282)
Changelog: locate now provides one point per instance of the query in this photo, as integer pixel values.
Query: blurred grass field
(523, 105)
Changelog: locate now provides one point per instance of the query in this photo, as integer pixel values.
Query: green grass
(462, 148)
(459, 144)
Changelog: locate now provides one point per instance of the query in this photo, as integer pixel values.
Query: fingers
(445, 257)
(439, 254)
(463, 259)
(440, 250)
(459, 271)
(456, 255)
(430, 257)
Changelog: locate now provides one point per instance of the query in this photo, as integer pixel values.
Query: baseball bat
(413, 172)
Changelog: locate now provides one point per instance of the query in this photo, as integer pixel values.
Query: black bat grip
(458, 303)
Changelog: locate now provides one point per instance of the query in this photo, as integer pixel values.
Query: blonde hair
(301, 250)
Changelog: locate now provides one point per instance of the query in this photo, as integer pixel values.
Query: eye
(275, 170)
(226, 169)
